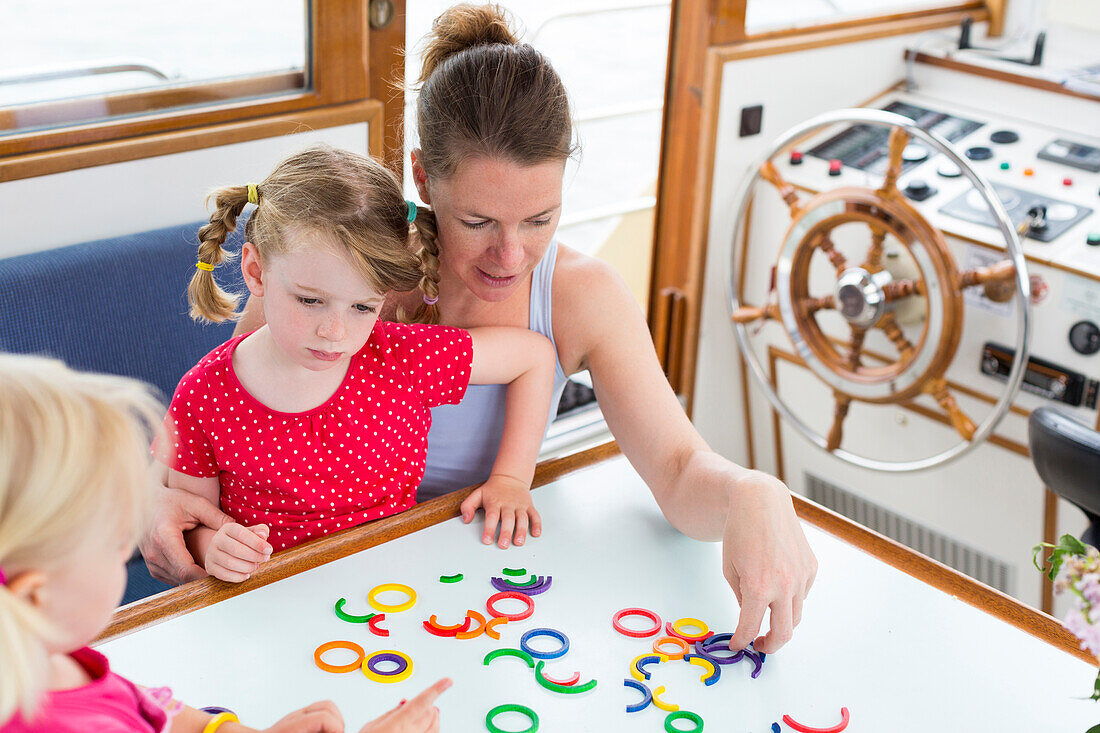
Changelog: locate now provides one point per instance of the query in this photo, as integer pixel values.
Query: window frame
(350, 63)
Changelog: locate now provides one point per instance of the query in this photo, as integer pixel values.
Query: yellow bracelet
(217, 721)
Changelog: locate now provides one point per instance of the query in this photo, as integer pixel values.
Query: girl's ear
(252, 269)
(420, 177)
(29, 585)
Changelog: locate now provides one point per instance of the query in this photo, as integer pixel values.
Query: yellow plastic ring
(388, 678)
(391, 609)
(634, 671)
(704, 630)
(217, 720)
(704, 663)
(662, 704)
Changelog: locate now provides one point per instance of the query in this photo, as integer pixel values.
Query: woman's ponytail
(465, 26)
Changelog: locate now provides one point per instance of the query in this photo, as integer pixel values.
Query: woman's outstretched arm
(766, 558)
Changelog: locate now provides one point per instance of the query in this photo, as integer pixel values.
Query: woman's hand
(766, 560)
(507, 501)
(320, 717)
(419, 715)
(163, 547)
(236, 551)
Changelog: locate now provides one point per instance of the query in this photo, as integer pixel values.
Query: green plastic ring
(340, 614)
(450, 578)
(512, 708)
(515, 571)
(534, 579)
(509, 652)
(683, 715)
(555, 687)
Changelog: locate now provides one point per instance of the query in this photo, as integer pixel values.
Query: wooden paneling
(349, 64)
(386, 60)
(999, 75)
(177, 141)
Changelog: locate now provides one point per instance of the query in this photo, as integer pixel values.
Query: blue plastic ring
(525, 646)
(646, 699)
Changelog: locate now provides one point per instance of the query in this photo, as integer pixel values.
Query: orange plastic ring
(473, 632)
(349, 645)
(464, 626)
(671, 640)
(492, 624)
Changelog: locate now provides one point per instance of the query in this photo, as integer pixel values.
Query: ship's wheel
(867, 296)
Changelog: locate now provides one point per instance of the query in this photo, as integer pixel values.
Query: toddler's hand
(507, 501)
(236, 551)
(320, 717)
(418, 715)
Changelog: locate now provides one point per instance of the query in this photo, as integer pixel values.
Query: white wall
(135, 196)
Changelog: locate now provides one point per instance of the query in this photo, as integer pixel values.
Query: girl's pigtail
(428, 254)
(24, 635)
(208, 301)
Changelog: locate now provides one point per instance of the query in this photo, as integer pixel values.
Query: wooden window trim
(342, 44)
(177, 141)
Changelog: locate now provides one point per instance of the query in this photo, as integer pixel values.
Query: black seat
(1066, 454)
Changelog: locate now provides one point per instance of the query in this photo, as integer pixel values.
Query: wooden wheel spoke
(893, 331)
(769, 173)
(959, 419)
(998, 280)
(810, 306)
(750, 313)
(836, 431)
(856, 348)
(899, 289)
(825, 244)
(899, 138)
(872, 262)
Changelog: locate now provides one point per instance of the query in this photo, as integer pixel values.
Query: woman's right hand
(163, 547)
(419, 715)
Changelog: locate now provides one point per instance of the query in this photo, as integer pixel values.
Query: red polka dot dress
(359, 456)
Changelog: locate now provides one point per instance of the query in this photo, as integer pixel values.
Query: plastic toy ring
(807, 729)
(714, 672)
(464, 626)
(385, 608)
(667, 706)
(349, 645)
(512, 708)
(510, 616)
(340, 614)
(675, 628)
(533, 579)
(373, 625)
(555, 687)
(404, 666)
(470, 634)
(514, 572)
(647, 696)
(509, 652)
(491, 626)
(450, 578)
(525, 645)
(637, 667)
(683, 715)
(683, 645)
(616, 621)
(568, 682)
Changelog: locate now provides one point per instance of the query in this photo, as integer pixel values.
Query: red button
(834, 167)
(796, 157)
(1067, 181)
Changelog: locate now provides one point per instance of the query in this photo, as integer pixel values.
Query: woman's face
(495, 219)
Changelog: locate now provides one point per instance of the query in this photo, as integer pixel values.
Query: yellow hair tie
(204, 266)
(253, 194)
(218, 719)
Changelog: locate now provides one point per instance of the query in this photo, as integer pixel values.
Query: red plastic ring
(807, 729)
(564, 683)
(510, 616)
(433, 627)
(373, 625)
(618, 617)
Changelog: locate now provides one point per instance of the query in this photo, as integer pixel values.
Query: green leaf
(1067, 546)
(1094, 729)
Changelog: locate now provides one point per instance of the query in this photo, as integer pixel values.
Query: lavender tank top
(464, 438)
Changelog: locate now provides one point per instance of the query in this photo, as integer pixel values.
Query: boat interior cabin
(866, 235)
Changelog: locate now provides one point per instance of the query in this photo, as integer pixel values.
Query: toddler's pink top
(107, 704)
(359, 456)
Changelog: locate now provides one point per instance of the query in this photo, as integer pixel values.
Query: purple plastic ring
(373, 662)
(755, 660)
(710, 653)
(541, 586)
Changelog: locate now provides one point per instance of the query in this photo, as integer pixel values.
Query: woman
(495, 134)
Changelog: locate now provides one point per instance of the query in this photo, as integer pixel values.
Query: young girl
(74, 482)
(318, 420)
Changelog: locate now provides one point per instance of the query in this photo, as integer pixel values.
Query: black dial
(1084, 337)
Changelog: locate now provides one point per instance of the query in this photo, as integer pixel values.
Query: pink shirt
(107, 704)
(359, 456)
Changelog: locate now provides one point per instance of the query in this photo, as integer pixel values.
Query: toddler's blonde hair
(74, 459)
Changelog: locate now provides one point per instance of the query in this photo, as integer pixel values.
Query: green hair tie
(411, 216)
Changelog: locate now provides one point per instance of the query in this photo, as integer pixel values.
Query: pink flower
(1089, 634)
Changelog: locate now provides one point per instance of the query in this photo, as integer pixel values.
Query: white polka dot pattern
(359, 456)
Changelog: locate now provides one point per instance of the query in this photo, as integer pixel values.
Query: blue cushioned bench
(117, 306)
